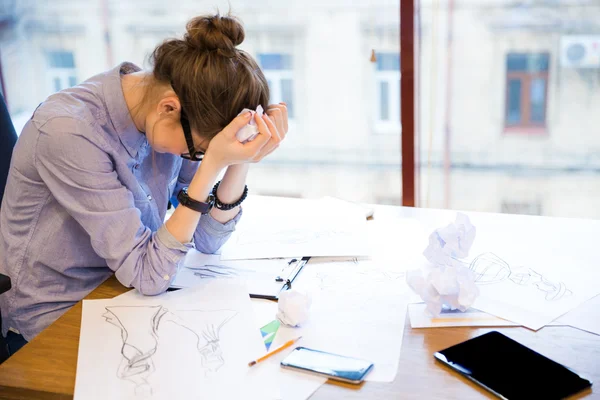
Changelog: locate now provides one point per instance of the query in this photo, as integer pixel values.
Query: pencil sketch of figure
(139, 343)
(205, 325)
(218, 271)
(291, 236)
(491, 269)
(141, 340)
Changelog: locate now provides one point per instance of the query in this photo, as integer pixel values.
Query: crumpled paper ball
(452, 287)
(249, 132)
(451, 242)
(294, 307)
(448, 282)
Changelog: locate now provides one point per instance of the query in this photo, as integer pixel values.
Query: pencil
(277, 350)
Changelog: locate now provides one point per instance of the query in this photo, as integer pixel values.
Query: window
(511, 207)
(526, 90)
(277, 68)
(387, 78)
(317, 61)
(61, 70)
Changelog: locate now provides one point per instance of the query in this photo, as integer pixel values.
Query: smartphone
(332, 366)
(510, 370)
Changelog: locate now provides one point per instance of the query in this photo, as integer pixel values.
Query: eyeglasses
(193, 154)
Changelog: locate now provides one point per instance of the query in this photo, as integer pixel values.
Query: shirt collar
(131, 138)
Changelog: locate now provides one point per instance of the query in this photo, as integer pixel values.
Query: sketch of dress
(141, 341)
(491, 269)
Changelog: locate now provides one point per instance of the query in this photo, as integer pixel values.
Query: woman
(95, 167)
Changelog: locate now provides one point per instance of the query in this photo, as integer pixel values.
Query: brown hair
(212, 78)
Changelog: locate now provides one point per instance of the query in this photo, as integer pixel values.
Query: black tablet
(510, 370)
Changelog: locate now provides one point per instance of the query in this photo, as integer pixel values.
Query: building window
(387, 77)
(61, 70)
(523, 208)
(526, 90)
(278, 70)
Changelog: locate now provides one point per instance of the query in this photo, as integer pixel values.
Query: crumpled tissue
(249, 132)
(294, 307)
(448, 281)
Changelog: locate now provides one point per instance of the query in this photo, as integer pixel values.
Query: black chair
(8, 138)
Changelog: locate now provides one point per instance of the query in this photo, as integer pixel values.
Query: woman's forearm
(182, 224)
(230, 190)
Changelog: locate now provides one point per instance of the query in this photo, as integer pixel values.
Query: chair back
(8, 138)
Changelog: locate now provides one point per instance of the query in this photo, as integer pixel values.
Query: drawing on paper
(491, 269)
(288, 237)
(218, 271)
(140, 341)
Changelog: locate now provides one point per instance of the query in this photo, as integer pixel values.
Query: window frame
(62, 74)
(275, 77)
(526, 126)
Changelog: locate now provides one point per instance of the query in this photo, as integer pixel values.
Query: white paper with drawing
(259, 275)
(187, 344)
(531, 270)
(305, 228)
(358, 308)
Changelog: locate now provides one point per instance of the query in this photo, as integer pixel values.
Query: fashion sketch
(140, 341)
(491, 269)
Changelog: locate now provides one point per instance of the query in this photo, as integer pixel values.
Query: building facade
(507, 105)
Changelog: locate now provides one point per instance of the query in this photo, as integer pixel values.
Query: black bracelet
(199, 206)
(226, 207)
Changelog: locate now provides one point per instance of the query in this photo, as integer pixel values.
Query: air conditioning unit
(580, 51)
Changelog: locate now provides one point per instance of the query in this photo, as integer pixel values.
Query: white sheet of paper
(293, 385)
(187, 344)
(531, 270)
(419, 318)
(585, 317)
(398, 242)
(293, 228)
(259, 275)
(542, 268)
(358, 310)
(348, 206)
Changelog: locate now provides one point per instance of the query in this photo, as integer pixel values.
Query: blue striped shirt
(85, 198)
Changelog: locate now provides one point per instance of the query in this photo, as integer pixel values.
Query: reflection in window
(538, 100)
(384, 101)
(388, 62)
(278, 69)
(526, 83)
(57, 85)
(387, 76)
(523, 208)
(514, 101)
(61, 59)
(61, 70)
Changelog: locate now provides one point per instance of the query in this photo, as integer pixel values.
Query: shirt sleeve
(210, 234)
(82, 178)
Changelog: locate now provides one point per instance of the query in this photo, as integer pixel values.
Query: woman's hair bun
(214, 32)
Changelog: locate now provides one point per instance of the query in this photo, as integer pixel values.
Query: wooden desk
(45, 368)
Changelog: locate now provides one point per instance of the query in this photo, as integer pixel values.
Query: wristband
(226, 207)
(199, 206)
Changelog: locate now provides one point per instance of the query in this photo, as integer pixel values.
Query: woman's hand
(224, 149)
